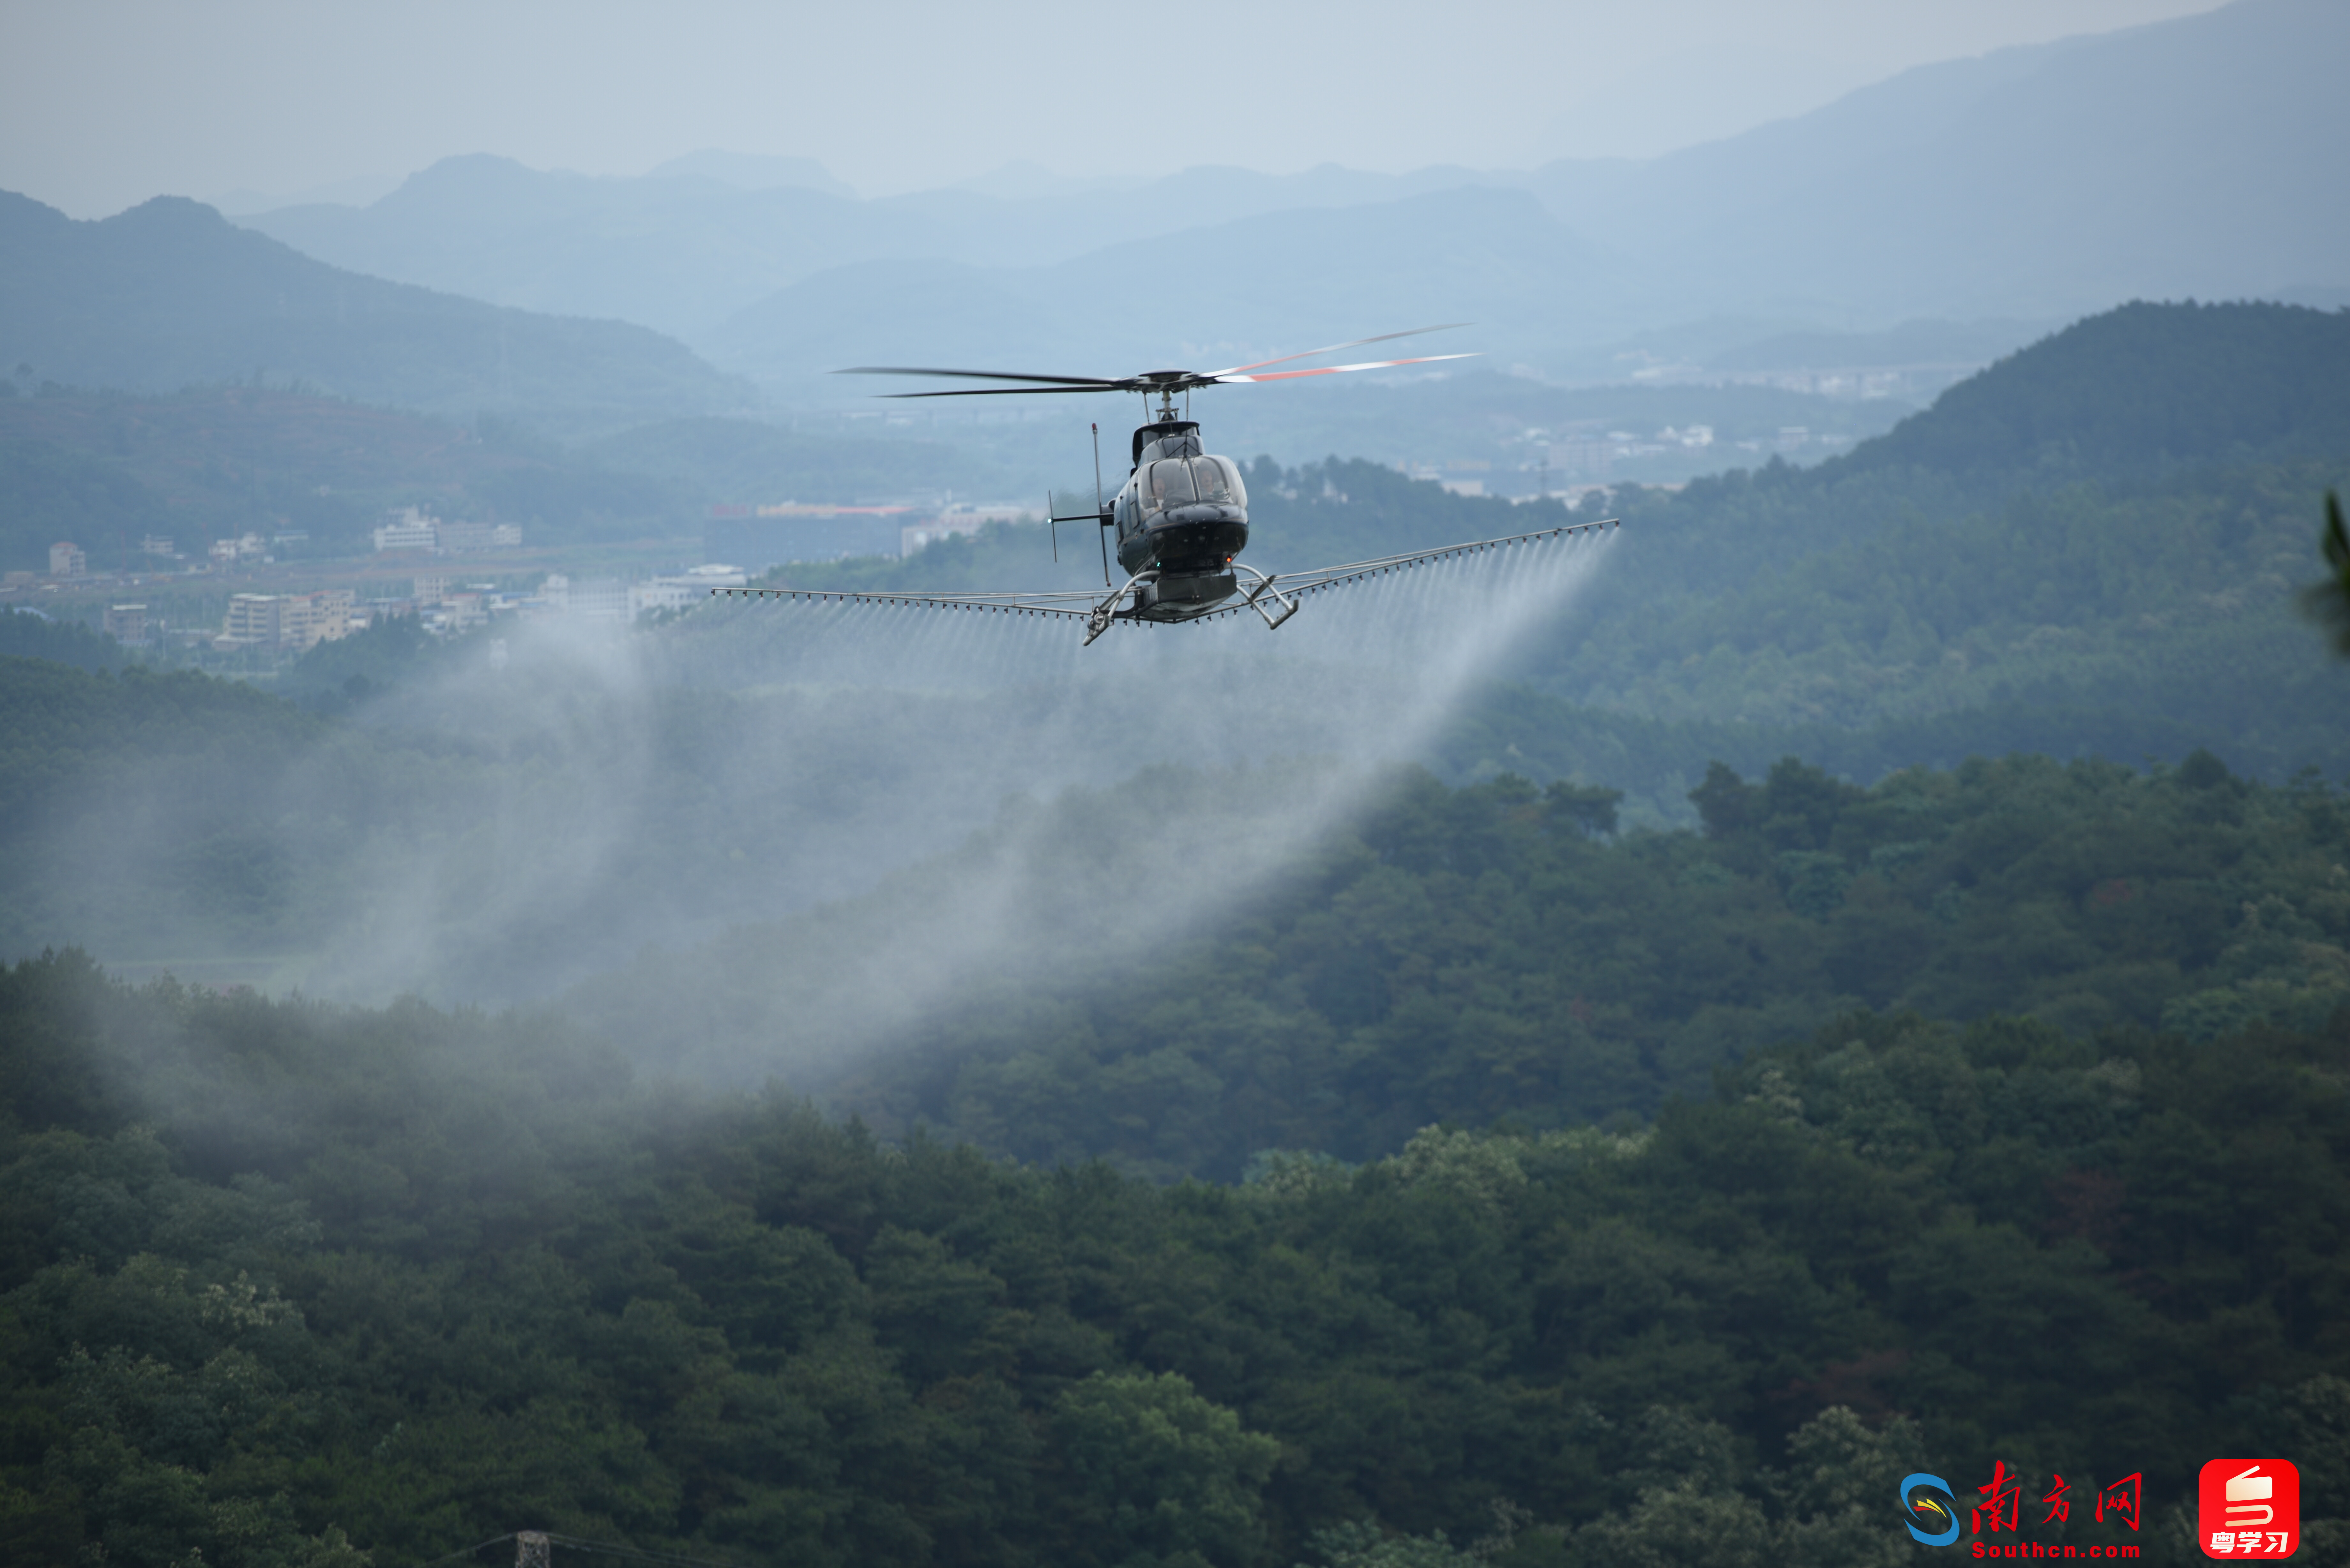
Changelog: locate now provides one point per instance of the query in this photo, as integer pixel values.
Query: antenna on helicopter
(1098, 507)
(1101, 512)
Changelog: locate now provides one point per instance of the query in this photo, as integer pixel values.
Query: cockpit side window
(1217, 480)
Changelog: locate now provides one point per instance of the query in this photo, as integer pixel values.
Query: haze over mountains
(2186, 158)
(170, 293)
(1937, 219)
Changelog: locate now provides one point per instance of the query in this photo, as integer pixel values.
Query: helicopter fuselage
(1182, 514)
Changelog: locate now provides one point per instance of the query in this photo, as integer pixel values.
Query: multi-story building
(66, 560)
(406, 528)
(462, 611)
(254, 621)
(317, 618)
(598, 599)
(286, 622)
(127, 623)
(683, 590)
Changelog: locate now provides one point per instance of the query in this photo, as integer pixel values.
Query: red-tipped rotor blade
(1342, 369)
(1332, 349)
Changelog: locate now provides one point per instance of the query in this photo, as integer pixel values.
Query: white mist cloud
(827, 824)
(1278, 739)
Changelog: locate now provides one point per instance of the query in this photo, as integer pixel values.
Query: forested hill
(26, 634)
(1499, 953)
(2105, 534)
(2135, 393)
(169, 293)
(284, 1284)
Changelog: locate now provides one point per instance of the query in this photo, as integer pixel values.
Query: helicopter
(1181, 516)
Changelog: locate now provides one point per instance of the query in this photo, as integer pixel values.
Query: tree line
(289, 1283)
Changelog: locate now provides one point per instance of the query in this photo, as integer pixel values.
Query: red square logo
(2248, 1508)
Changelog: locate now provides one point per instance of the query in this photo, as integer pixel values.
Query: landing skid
(1268, 601)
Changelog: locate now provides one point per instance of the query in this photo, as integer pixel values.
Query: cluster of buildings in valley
(293, 623)
(611, 598)
(289, 623)
(405, 528)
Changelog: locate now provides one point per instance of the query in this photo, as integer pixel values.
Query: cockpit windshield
(1190, 482)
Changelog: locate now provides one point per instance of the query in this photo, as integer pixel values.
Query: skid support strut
(1106, 611)
(1266, 590)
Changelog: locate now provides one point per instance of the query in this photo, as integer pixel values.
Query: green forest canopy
(1497, 952)
(287, 1284)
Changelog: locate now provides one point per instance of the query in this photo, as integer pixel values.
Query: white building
(595, 598)
(66, 560)
(407, 528)
(460, 612)
(683, 590)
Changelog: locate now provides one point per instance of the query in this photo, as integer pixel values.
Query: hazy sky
(104, 103)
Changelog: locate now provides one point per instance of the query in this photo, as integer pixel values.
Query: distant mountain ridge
(170, 293)
(680, 250)
(2190, 157)
(1482, 253)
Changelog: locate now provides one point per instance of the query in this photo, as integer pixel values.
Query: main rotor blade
(1015, 392)
(1342, 369)
(977, 375)
(1332, 349)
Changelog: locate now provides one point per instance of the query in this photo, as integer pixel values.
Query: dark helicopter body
(1183, 516)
